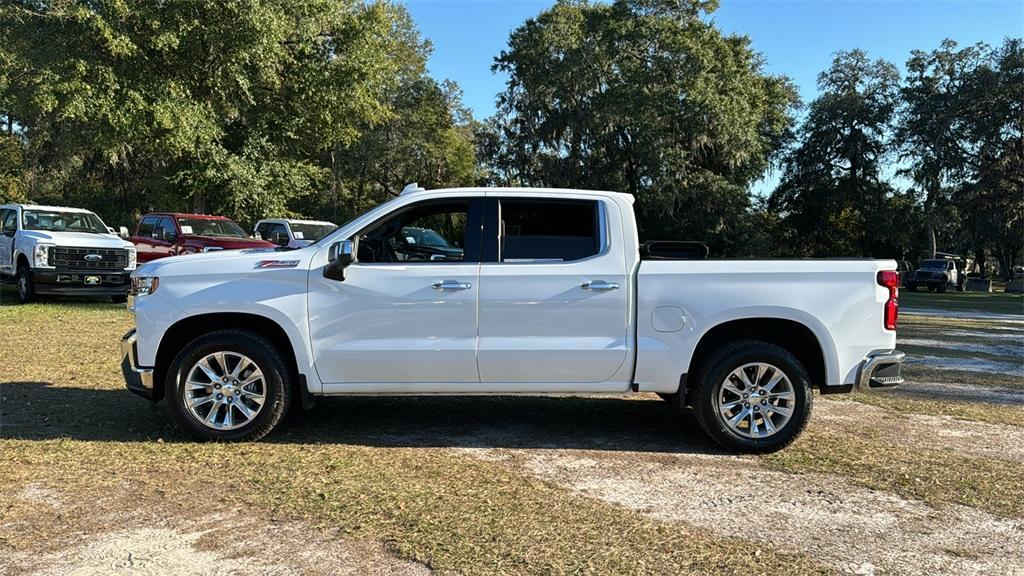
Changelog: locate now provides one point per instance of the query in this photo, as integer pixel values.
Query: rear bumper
(881, 370)
(138, 380)
(59, 282)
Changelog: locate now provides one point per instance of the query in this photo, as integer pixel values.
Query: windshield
(311, 232)
(209, 227)
(56, 221)
(423, 237)
(934, 264)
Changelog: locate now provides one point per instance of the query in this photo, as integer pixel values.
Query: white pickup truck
(55, 250)
(535, 291)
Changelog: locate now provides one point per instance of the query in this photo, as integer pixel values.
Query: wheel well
(790, 335)
(188, 329)
(22, 259)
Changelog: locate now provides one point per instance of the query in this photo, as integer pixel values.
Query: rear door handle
(451, 285)
(600, 285)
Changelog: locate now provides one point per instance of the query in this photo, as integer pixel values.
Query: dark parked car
(168, 234)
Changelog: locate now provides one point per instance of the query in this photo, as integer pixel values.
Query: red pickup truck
(163, 234)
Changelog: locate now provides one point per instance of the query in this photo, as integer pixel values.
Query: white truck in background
(542, 291)
(292, 233)
(54, 250)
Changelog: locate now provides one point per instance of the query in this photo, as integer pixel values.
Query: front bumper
(69, 282)
(881, 370)
(138, 380)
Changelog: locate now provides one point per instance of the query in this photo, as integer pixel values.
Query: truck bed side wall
(838, 300)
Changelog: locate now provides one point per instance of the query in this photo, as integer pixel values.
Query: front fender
(277, 295)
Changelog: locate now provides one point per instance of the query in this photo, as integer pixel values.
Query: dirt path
(853, 529)
(123, 540)
(920, 431)
(850, 528)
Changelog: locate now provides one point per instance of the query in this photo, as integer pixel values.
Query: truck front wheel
(26, 287)
(228, 385)
(752, 397)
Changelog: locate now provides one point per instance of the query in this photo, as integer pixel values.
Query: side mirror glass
(339, 256)
(123, 232)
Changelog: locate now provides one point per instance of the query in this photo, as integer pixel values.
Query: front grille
(89, 258)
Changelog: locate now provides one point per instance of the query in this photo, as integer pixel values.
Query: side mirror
(280, 238)
(123, 232)
(339, 256)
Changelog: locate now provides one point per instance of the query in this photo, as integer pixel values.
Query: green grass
(994, 302)
(68, 423)
(938, 475)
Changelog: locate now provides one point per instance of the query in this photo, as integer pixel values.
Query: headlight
(142, 285)
(133, 258)
(41, 256)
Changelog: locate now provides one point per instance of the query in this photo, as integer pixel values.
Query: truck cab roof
(294, 221)
(185, 215)
(46, 207)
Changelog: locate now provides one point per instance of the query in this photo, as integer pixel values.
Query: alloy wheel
(756, 400)
(225, 390)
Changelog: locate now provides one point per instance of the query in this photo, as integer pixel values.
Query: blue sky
(797, 37)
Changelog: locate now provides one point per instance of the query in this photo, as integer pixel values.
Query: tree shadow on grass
(42, 411)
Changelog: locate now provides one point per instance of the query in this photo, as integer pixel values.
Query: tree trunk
(334, 185)
(929, 212)
(979, 260)
(932, 247)
(1005, 265)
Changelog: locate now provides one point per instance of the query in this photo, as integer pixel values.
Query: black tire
(713, 374)
(119, 299)
(264, 353)
(941, 288)
(931, 287)
(25, 287)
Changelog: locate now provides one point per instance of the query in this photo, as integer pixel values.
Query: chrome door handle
(599, 285)
(451, 285)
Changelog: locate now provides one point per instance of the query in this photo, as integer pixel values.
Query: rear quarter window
(548, 231)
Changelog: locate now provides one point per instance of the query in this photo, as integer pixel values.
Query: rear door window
(548, 231)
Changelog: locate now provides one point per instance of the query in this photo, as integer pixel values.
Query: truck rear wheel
(752, 397)
(228, 385)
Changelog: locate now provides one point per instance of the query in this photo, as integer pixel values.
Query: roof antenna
(412, 187)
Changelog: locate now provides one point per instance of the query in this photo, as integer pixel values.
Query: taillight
(891, 280)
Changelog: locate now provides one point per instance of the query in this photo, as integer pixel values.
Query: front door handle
(600, 285)
(451, 285)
